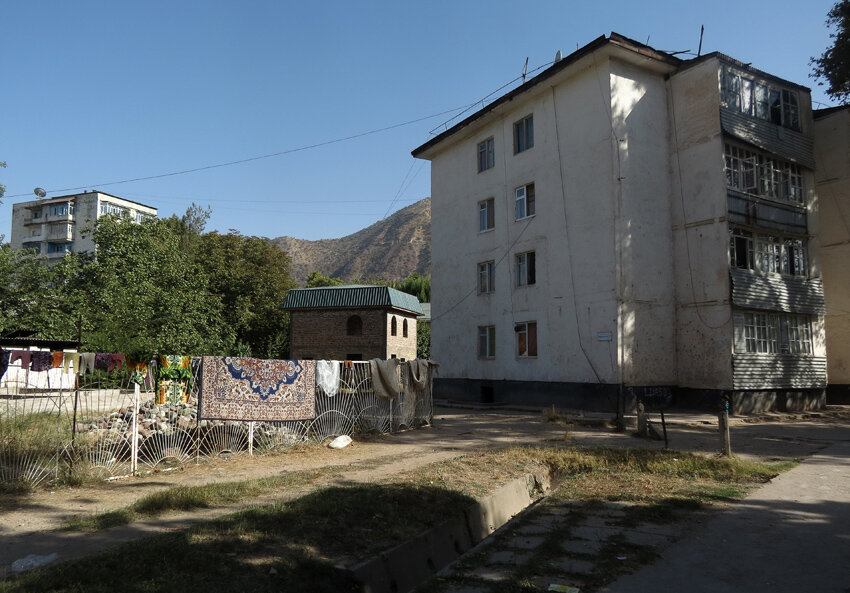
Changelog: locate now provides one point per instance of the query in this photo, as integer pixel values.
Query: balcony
(29, 220)
(62, 233)
(65, 217)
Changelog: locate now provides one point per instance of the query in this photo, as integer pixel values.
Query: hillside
(390, 249)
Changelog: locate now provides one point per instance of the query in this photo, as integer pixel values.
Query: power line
(251, 159)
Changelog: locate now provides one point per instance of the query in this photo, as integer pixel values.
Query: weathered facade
(352, 323)
(832, 148)
(54, 226)
(630, 228)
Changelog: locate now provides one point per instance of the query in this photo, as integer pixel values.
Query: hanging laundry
(327, 376)
(72, 358)
(23, 355)
(418, 372)
(174, 379)
(138, 371)
(4, 362)
(385, 377)
(56, 359)
(87, 362)
(102, 362)
(41, 361)
(117, 362)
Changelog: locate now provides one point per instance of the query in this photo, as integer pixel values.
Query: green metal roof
(351, 297)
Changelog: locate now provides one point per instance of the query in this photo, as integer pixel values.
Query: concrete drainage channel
(409, 564)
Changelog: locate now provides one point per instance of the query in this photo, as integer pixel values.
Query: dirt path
(29, 527)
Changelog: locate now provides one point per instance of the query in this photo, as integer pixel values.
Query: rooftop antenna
(701, 31)
(558, 56)
(525, 69)
(39, 193)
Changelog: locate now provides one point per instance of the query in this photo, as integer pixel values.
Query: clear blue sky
(98, 92)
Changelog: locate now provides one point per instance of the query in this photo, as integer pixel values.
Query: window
(486, 215)
(526, 338)
(36, 213)
(525, 269)
(393, 327)
(62, 209)
(524, 201)
(763, 175)
(60, 247)
(767, 253)
(777, 333)
(760, 100)
(486, 155)
(109, 208)
(524, 134)
(404, 328)
(486, 280)
(486, 341)
(354, 326)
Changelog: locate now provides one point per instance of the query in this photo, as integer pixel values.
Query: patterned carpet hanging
(254, 389)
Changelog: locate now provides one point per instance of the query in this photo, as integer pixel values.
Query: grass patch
(293, 544)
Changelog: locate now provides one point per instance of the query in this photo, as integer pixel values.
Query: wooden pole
(723, 425)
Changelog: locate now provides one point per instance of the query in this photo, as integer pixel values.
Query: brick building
(352, 323)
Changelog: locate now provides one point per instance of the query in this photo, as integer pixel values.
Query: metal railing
(55, 428)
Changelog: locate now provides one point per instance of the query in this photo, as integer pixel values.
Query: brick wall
(322, 335)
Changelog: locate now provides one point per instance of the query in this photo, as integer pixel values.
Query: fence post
(251, 438)
(134, 441)
(723, 425)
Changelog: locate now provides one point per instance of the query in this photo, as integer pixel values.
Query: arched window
(404, 328)
(393, 327)
(354, 326)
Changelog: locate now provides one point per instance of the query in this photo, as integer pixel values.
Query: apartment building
(832, 148)
(53, 226)
(626, 224)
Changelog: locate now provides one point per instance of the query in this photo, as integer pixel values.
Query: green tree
(317, 280)
(2, 187)
(423, 340)
(143, 294)
(250, 276)
(34, 296)
(833, 66)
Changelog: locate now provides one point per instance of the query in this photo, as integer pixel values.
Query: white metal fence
(52, 429)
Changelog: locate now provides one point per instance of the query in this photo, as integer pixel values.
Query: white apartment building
(54, 226)
(625, 224)
(832, 148)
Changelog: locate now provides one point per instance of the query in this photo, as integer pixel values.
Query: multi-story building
(54, 226)
(629, 222)
(832, 147)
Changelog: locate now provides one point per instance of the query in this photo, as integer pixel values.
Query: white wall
(832, 155)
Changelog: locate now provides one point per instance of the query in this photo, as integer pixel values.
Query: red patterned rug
(255, 389)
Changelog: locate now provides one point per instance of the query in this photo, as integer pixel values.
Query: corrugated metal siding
(347, 297)
(771, 292)
(778, 371)
(768, 136)
(771, 215)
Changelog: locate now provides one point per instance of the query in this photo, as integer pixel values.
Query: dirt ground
(28, 523)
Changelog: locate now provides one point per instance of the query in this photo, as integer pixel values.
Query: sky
(321, 102)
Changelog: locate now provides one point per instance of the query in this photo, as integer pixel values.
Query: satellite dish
(39, 193)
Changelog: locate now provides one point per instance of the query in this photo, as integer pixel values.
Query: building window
(761, 100)
(525, 269)
(767, 253)
(393, 327)
(486, 214)
(762, 175)
(777, 333)
(404, 328)
(486, 155)
(36, 213)
(524, 201)
(486, 341)
(486, 280)
(62, 209)
(109, 208)
(354, 326)
(524, 134)
(526, 338)
(60, 247)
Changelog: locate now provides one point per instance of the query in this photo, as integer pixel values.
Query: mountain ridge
(390, 249)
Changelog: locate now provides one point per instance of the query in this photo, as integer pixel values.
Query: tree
(834, 65)
(423, 340)
(2, 187)
(250, 276)
(143, 294)
(317, 280)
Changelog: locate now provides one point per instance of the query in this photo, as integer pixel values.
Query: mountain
(390, 249)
